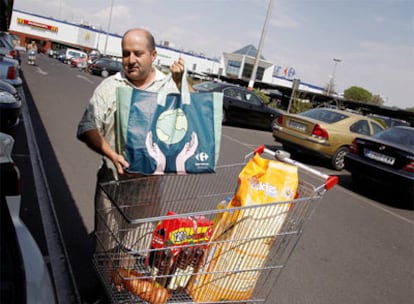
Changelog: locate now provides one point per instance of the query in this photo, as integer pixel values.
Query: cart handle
(330, 180)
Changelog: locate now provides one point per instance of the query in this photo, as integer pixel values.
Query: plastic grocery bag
(174, 133)
(243, 238)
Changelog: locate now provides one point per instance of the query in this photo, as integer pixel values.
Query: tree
(376, 100)
(358, 94)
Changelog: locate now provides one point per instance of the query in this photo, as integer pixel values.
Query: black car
(105, 67)
(10, 106)
(241, 105)
(386, 158)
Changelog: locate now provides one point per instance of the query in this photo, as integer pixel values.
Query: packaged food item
(220, 206)
(173, 247)
(162, 265)
(133, 281)
(183, 260)
(243, 239)
(178, 232)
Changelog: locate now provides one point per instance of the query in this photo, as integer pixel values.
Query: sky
(373, 39)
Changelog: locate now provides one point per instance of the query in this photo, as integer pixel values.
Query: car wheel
(224, 119)
(338, 162)
(104, 73)
(273, 124)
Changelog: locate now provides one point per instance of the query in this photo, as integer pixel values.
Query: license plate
(379, 157)
(296, 125)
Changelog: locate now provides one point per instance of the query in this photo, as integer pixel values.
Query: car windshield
(324, 115)
(207, 86)
(400, 136)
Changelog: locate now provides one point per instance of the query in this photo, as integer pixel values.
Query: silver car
(9, 71)
(24, 276)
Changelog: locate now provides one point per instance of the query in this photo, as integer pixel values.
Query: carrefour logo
(202, 157)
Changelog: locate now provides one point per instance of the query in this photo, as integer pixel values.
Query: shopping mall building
(51, 33)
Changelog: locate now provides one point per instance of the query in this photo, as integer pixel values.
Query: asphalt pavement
(356, 248)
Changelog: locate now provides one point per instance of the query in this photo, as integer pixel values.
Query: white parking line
(239, 142)
(40, 71)
(85, 78)
(377, 205)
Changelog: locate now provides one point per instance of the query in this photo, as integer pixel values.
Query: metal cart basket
(144, 210)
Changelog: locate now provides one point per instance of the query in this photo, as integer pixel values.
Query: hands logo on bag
(160, 159)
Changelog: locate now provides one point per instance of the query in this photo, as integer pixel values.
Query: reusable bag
(169, 133)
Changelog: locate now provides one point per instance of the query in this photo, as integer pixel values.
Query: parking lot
(356, 247)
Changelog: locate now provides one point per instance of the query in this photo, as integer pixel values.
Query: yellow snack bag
(245, 237)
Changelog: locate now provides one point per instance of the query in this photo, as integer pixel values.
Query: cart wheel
(337, 161)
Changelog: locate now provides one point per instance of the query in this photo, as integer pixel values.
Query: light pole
(109, 26)
(259, 50)
(332, 80)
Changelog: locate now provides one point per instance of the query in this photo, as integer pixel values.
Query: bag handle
(184, 91)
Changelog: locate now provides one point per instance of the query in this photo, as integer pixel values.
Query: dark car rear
(386, 158)
(105, 67)
(241, 105)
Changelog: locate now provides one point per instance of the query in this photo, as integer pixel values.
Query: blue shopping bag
(173, 133)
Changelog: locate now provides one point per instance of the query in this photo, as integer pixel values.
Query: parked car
(52, 53)
(9, 71)
(79, 62)
(386, 159)
(323, 132)
(10, 106)
(7, 48)
(389, 121)
(241, 105)
(24, 276)
(105, 67)
(71, 53)
(61, 55)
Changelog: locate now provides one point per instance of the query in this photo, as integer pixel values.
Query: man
(97, 127)
(97, 130)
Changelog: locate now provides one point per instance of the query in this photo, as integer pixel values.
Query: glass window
(404, 137)
(376, 127)
(234, 93)
(233, 67)
(360, 127)
(253, 99)
(324, 115)
(247, 71)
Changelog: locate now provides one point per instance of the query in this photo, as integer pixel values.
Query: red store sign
(37, 25)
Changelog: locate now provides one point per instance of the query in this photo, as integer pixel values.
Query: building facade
(51, 33)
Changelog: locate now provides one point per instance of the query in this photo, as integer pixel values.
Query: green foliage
(263, 96)
(300, 103)
(376, 100)
(357, 94)
(380, 121)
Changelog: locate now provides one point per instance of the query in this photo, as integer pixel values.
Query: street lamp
(109, 26)
(259, 51)
(332, 80)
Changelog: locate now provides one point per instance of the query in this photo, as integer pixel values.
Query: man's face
(137, 59)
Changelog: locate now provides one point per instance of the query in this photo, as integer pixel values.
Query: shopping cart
(155, 237)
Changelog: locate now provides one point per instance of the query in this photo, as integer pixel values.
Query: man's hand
(177, 71)
(120, 163)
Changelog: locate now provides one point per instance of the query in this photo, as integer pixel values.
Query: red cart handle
(330, 180)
